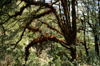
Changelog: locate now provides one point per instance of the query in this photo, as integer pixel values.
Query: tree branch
(42, 39)
(29, 22)
(66, 11)
(16, 13)
(48, 6)
(35, 29)
(20, 38)
(51, 27)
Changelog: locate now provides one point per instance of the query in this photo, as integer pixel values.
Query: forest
(49, 32)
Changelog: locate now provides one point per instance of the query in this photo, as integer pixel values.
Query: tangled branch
(42, 39)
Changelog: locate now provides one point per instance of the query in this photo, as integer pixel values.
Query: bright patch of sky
(49, 1)
(81, 6)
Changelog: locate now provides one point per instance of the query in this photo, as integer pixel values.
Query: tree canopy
(66, 30)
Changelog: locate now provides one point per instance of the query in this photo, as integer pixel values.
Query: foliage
(57, 33)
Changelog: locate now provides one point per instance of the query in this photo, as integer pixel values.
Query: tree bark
(96, 44)
(74, 28)
(73, 53)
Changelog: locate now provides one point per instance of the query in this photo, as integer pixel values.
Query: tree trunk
(74, 28)
(86, 48)
(96, 44)
(73, 53)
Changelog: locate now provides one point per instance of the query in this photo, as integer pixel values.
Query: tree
(31, 18)
(69, 32)
(94, 25)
